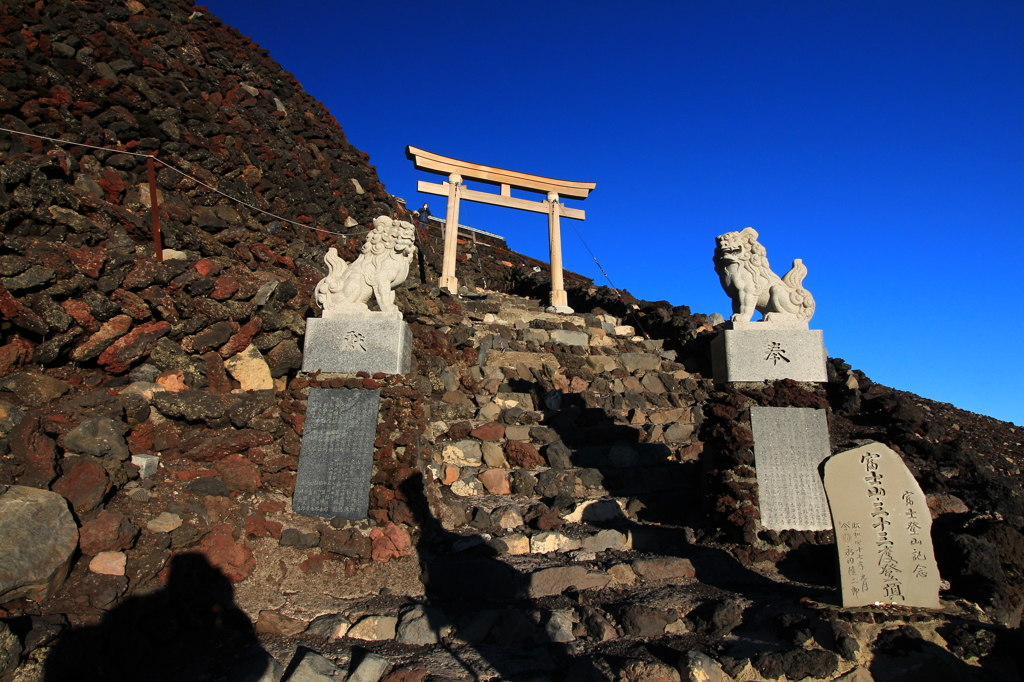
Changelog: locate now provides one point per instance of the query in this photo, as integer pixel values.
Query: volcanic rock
(38, 537)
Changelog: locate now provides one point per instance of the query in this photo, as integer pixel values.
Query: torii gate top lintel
(458, 171)
(435, 163)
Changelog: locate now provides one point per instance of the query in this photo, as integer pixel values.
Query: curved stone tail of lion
(799, 297)
(336, 267)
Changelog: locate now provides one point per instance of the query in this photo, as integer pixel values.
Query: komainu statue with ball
(382, 265)
(742, 265)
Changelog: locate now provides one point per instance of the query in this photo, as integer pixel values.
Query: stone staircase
(565, 430)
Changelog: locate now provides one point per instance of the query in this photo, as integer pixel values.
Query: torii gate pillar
(506, 180)
(559, 299)
(451, 236)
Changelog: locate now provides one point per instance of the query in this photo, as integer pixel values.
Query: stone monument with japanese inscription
(883, 529)
(789, 444)
(778, 346)
(350, 337)
(336, 459)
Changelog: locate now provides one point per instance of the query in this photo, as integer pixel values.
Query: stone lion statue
(742, 265)
(382, 265)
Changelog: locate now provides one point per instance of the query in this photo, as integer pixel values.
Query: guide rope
(631, 307)
(190, 177)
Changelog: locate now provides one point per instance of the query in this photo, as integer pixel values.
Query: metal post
(157, 238)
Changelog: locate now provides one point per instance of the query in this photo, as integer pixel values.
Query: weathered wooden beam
(435, 163)
(443, 189)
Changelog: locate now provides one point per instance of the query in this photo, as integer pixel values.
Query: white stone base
(357, 344)
(767, 355)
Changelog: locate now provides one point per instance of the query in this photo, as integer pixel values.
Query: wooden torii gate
(459, 171)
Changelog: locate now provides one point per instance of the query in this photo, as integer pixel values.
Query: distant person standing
(424, 214)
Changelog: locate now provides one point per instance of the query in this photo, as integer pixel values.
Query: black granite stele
(336, 459)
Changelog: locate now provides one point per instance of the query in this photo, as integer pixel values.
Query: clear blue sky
(881, 142)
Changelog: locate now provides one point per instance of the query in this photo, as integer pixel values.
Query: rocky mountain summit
(553, 497)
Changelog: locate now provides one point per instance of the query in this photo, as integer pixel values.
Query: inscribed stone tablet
(336, 459)
(883, 529)
(357, 344)
(768, 354)
(789, 444)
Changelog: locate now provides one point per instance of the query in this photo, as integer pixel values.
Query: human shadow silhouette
(189, 630)
(475, 596)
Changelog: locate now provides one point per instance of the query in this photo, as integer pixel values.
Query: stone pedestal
(767, 354)
(373, 343)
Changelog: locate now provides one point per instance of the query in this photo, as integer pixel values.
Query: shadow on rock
(479, 601)
(189, 630)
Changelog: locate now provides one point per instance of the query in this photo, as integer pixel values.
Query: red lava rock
(241, 340)
(161, 301)
(234, 559)
(283, 481)
(84, 485)
(406, 675)
(457, 398)
(214, 447)
(258, 526)
(173, 380)
(314, 563)
(142, 439)
(80, 312)
(207, 268)
(220, 509)
(523, 455)
(142, 275)
(88, 260)
(380, 496)
(390, 542)
(943, 503)
(488, 432)
(225, 288)
(263, 252)
(166, 436)
(495, 481)
(14, 354)
(13, 310)
(109, 531)
(271, 506)
(370, 383)
(36, 450)
(112, 185)
(216, 375)
(118, 358)
(449, 473)
(113, 329)
(131, 304)
(238, 473)
(274, 623)
(549, 521)
(459, 430)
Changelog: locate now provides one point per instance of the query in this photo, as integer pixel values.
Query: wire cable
(631, 308)
(190, 177)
